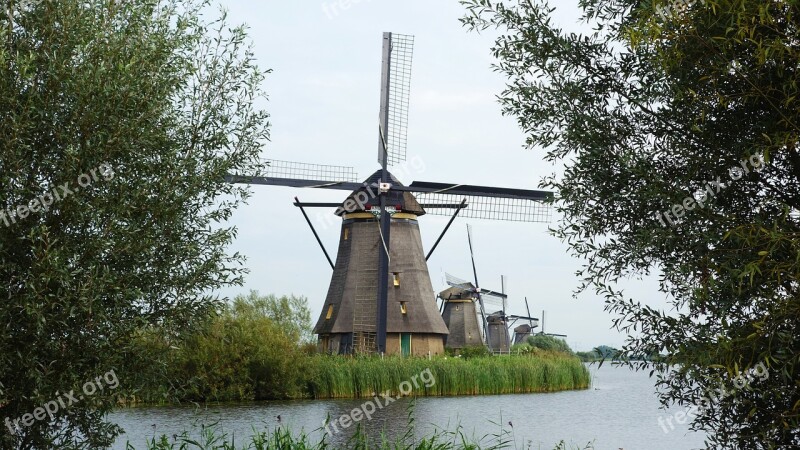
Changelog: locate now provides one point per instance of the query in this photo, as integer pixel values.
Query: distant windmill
(522, 332)
(461, 317)
(550, 334)
(458, 314)
(380, 295)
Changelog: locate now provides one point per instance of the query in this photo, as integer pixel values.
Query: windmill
(458, 314)
(550, 334)
(524, 330)
(468, 324)
(380, 295)
(461, 317)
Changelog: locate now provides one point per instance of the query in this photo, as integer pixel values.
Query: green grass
(335, 376)
(347, 377)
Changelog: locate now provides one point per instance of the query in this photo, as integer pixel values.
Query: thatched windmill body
(461, 317)
(347, 322)
(380, 297)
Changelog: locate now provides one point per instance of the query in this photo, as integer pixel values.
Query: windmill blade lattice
(402, 52)
(274, 168)
(515, 205)
(458, 282)
(275, 172)
(493, 300)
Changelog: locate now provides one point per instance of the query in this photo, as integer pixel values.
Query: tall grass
(344, 377)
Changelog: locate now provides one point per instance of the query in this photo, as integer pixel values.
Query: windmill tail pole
(458, 209)
(477, 286)
(313, 230)
(527, 308)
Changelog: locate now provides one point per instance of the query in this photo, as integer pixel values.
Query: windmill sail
(298, 174)
(458, 282)
(484, 202)
(396, 90)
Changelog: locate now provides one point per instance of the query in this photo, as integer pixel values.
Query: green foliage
(345, 377)
(225, 363)
(693, 112)
(244, 353)
(249, 350)
(152, 104)
(290, 313)
(469, 352)
(606, 352)
(522, 348)
(549, 343)
(591, 356)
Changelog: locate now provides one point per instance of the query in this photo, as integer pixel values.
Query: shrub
(550, 343)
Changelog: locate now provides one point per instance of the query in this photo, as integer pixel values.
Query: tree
(119, 121)
(678, 132)
(290, 313)
(245, 352)
(605, 352)
(551, 343)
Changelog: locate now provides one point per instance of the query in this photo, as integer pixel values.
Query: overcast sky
(324, 100)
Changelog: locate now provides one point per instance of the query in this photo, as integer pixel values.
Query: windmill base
(405, 344)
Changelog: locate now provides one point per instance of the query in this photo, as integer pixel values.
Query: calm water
(620, 410)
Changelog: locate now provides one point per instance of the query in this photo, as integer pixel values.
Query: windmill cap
(368, 196)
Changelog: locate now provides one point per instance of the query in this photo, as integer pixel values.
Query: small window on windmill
(346, 233)
(403, 309)
(329, 313)
(396, 279)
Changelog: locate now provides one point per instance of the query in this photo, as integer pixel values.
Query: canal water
(619, 411)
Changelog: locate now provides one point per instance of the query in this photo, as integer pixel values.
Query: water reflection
(620, 410)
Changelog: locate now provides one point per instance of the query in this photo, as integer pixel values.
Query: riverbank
(337, 377)
(619, 410)
(260, 348)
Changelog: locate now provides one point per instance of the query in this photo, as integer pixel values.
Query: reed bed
(365, 377)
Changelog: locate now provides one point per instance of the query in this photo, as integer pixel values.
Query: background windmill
(550, 334)
(524, 330)
(490, 313)
(473, 309)
(460, 314)
(380, 243)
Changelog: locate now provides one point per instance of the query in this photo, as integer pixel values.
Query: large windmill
(380, 296)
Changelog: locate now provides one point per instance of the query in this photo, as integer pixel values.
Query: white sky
(324, 99)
